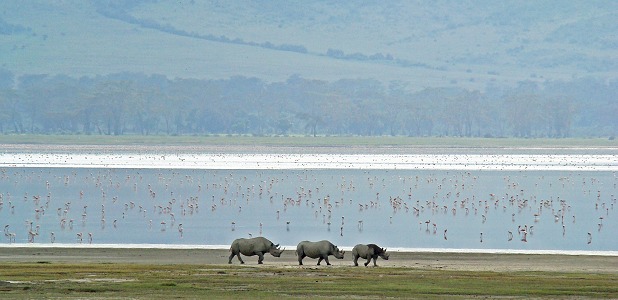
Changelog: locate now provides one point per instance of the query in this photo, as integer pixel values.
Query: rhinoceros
(369, 252)
(321, 250)
(254, 246)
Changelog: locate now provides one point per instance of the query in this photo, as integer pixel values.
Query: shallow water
(251, 161)
(504, 202)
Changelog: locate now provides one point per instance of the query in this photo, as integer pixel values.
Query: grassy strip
(50, 280)
(319, 141)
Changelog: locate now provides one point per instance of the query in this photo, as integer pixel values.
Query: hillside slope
(424, 44)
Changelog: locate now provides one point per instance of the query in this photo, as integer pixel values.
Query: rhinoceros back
(315, 249)
(360, 250)
(251, 246)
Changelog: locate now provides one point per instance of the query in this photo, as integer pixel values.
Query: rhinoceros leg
(260, 258)
(237, 255)
(320, 260)
(356, 260)
(232, 256)
(374, 261)
(326, 260)
(300, 259)
(368, 260)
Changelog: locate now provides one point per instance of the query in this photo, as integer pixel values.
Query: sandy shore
(441, 261)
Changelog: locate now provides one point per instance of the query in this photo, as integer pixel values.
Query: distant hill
(467, 44)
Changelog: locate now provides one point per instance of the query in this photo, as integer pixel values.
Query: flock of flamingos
(76, 205)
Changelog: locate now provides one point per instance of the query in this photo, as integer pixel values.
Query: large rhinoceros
(368, 252)
(254, 246)
(321, 250)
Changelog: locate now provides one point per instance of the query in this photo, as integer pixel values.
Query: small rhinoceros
(368, 252)
(321, 250)
(254, 246)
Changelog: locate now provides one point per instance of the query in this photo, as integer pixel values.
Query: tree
(112, 99)
(9, 111)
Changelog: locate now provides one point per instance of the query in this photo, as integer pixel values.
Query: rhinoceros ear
(277, 246)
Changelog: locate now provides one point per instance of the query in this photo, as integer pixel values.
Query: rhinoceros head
(275, 250)
(338, 253)
(383, 254)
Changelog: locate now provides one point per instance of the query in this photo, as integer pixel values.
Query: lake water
(462, 202)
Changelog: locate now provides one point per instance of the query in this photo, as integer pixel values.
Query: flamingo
(31, 235)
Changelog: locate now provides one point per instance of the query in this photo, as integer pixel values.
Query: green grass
(28, 280)
(320, 141)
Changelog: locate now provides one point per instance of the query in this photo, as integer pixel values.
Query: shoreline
(292, 247)
(448, 261)
(469, 162)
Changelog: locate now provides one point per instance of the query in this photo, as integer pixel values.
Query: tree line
(138, 104)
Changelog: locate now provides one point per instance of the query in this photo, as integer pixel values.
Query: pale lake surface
(485, 202)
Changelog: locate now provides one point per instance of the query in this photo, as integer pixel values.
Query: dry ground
(443, 261)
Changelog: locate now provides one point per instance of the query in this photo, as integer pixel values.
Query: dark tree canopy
(129, 103)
